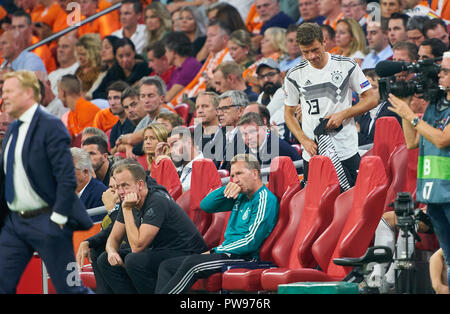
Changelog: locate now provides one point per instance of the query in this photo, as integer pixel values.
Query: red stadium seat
(183, 111)
(166, 174)
(300, 233)
(204, 179)
(223, 173)
(298, 148)
(389, 144)
(76, 141)
(348, 235)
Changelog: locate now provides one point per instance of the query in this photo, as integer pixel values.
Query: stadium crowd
(178, 81)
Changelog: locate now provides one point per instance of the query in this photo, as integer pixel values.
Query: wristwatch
(415, 121)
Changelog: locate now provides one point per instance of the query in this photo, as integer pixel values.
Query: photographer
(432, 135)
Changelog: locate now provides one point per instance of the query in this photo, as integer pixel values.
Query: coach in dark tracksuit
(154, 228)
(254, 212)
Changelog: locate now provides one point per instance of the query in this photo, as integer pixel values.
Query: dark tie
(9, 182)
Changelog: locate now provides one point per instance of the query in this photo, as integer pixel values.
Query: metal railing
(73, 27)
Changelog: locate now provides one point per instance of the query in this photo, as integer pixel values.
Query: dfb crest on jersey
(336, 77)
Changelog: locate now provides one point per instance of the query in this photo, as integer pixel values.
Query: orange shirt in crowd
(333, 25)
(253, 22)
(45, 54)
(105, 120)
(104, 25)
(82, 117)
(442, 7)
(54, 16)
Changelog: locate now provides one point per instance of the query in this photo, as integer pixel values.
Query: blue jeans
(440, 217)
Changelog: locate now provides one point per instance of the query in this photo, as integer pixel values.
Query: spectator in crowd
(92, 247)
(193, 24)
(178, 49)
(406, 51)
(157, 20)
(207, 122)
(356, 9)
(130, 15)
(365, 124)
(431, 48)
(436, 28)
(52, 104)
(414, 29)
(48, 17)
(170, 120)
(15, 57)
(388, 7)
(329, 37)
(263, 143)
(151, 236)
(176, 20)
(183, 152)
(350, 40)
(21, 23)
(308, 78)
(154, 134)
(379, 45)
(273, 44)
(157, 61)
(107, 118)
(91, 131)
(82, 111)
(228, 15)
(134, 111)
(271, 16)
(229, 142)
(253, 217)
(87, 51)
(422, 8)
(309, 12)
(152, 91)
(127, 68)
(123, 124)
(216, 42)
(228, 76)
(294, 55)
(331, 10)
(240, 48)
(272, 95)
(262, 111)
(397, 28)
(89, 189)
(107, 53)
(97, 148)
(65, 55)
(104, 25)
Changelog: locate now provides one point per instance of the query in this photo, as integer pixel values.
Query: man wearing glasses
(229, 142)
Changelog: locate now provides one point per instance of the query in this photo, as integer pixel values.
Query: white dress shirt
(29, 199)
(139, 38)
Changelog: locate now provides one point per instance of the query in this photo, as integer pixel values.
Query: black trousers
(139, 273)
(178, 275)
(350, 165)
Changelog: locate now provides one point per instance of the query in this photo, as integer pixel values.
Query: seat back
(282, 247)
(398, 161)
(166, 174)
(411, 172)
(204, 179)
(213, 235)
(322, 190)
(388, 135)
(367, 207)
(283, 183)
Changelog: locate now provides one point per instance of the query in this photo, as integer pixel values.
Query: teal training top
(433, 168)
(250, 222)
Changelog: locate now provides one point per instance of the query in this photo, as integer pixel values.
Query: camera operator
(432, 135)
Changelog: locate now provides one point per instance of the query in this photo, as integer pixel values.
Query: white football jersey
(322, 92)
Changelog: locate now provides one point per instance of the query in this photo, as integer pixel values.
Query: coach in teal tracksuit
(254, 213)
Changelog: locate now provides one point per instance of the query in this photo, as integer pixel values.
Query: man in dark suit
(262, 142)
(38, 204)
(89, 189)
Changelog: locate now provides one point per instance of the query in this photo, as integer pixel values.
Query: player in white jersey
(323, 84)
